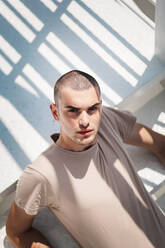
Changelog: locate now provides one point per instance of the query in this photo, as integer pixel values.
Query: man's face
(79, 113)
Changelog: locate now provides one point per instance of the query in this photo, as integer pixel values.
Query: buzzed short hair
(77, 80)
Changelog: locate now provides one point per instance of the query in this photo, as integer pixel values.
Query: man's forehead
(82, 106)
(78, 99)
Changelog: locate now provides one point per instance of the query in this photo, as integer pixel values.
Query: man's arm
(147, 138)
(20, 232)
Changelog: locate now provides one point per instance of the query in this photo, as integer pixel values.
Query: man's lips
(84, 132)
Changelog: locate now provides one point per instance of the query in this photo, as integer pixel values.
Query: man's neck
(73, 146)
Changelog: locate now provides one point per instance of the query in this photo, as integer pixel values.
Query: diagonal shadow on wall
(29, 96)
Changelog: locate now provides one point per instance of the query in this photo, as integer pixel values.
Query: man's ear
(54, 111)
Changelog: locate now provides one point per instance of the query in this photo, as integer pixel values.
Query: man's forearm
(30, 239)
(159, 149)
(147, 138)
(157, 145)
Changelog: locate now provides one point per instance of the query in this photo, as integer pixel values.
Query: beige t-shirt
(96, 194)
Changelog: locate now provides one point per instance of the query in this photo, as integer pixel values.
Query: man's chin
(87, 141)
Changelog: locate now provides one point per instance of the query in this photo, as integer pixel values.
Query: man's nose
(84, 120)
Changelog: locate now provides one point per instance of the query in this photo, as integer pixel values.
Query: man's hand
(147, 138)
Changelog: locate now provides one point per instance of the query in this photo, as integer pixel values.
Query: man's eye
(92, 108)
(73, 110)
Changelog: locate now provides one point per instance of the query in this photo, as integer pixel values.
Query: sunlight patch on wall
(158, 127)
(127, 22)
(5, 67)
(161, 117)
(24, 84)
(27, 14)
(80, 65)
(17, 23)
(10, 51)
(49, 4)
(16, 122)
(155, 178)
(9, 159)
(70, 56)
(148, 187)
(151, 175)
(108, 92)
(53, 59)
(11, 169)
(38, 81)
(106, 36)
(100, 51)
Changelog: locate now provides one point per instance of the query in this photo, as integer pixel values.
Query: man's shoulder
(117, 121)
(43, 161)
(109, 114)
(110, 111)
(114, 110)
(113, 113)
(107, 119)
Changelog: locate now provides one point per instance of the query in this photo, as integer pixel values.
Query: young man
(86, 177)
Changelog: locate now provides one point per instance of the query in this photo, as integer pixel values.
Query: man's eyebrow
(73, 107)
(95, 105)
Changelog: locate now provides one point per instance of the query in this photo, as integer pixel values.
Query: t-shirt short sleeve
(31, 192)
(121, 121)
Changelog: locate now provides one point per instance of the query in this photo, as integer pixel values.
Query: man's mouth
(85, 132)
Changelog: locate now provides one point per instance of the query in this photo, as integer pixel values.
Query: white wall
(113, 40)
(160, 30)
